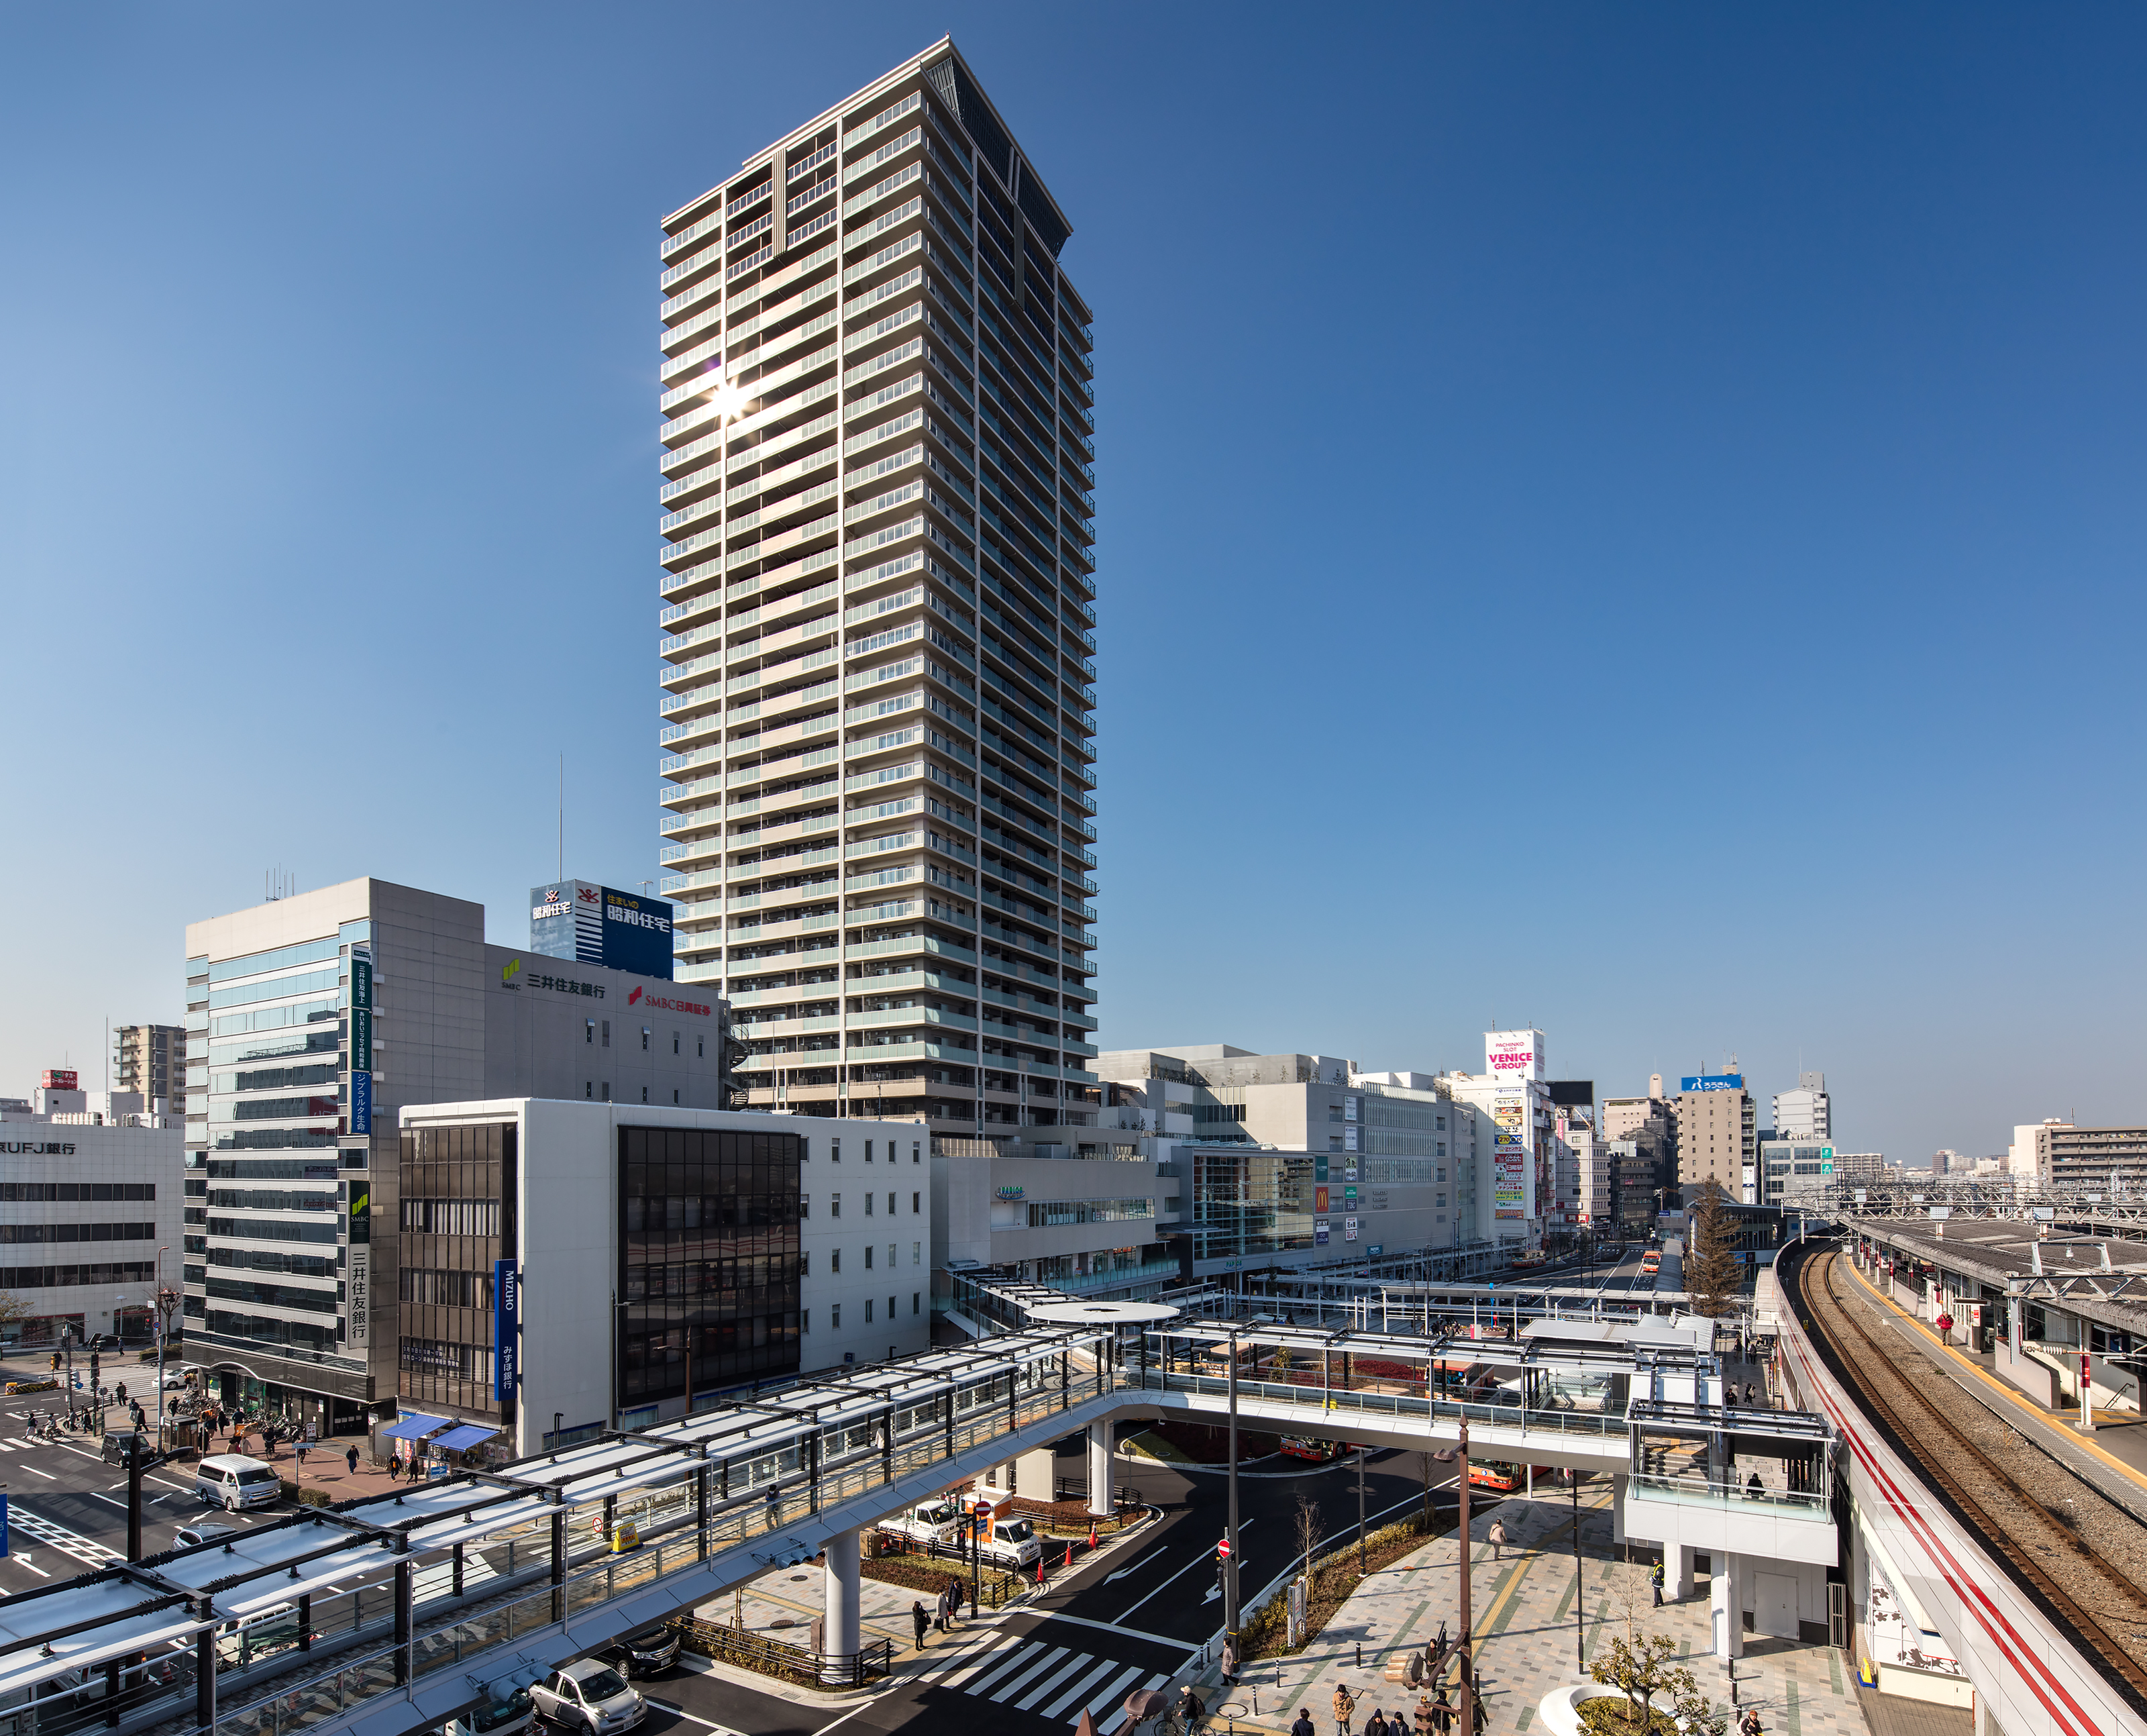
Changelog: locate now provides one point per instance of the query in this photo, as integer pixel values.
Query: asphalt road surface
(1137, 1618)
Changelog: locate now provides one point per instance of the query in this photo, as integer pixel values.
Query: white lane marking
(94, 1496)
(35, 1472)
(27, 1568)
(1118, 1716)
(1082, 1688)
(1029, 1675)
(691, 1717)
(1136, 1567)
(971, 1647)
(85, 1549)
(1057, 1678)
(1197, 1561)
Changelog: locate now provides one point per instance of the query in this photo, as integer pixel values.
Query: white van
(231, 1481)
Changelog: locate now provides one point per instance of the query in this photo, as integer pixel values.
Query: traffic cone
(1069, 1555)
(1039, 1570)
(1092, 1533)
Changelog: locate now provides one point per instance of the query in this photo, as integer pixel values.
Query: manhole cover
(781, 1621)
(799, 1579)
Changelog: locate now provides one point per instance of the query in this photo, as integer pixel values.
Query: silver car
(588, 1695)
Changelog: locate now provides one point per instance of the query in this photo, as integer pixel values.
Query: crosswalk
(1056, 1681)
(87, 1550)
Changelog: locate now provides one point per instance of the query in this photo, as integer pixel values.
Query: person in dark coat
(1302, 1727)
(350, 1458)
(920, 1620)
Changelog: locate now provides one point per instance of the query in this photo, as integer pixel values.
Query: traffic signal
(55, 1361)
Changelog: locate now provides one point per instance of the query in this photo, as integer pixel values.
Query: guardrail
(1699, 1492)
(777, 1658)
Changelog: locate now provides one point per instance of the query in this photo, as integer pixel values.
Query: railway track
(2033, 1512)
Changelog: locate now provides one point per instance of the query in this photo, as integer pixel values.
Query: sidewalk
(1525, 1611)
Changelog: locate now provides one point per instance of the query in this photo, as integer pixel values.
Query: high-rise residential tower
(151, 1063)
(878, 615)
(1806, 1112)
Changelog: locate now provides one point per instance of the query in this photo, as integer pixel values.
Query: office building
(1297, 1158)
(1513, 1094)
(879, 614)
(1717, 1125)
(601, 925)
(312, 1021)
(1031, 1213)
(89, 1220)
(662, 1257)
(1805, 1115)
(150, 1063)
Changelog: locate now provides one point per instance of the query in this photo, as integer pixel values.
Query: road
(1135, 1618)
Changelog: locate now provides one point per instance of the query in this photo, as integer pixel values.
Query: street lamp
(1230, 1528)
(1458, 1456)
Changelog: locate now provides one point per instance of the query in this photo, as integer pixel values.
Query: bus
(1301, 1446)
(1504, 1478)
(1651, 1263)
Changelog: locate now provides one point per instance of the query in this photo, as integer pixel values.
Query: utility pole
(1579, 1624)
(1458, 1456)
(134, 1496)
(1230, 1529)
(1360, 1510)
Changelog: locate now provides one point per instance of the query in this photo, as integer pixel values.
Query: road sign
(1222, 1548)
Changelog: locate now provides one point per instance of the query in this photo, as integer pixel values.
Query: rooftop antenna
(562, 816)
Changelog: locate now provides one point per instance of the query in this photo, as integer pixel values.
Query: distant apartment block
(150, 1062)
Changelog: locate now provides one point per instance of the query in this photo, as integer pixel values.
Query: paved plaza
(1526, 1625)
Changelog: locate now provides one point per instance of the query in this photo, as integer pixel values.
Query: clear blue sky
(1624, 519)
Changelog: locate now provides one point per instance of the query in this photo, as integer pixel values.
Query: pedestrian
(1498, 1538)
(1230, 1663)
(920, 1620)
(1656, 1582)
(1754, 1486)
(1442, 1712)
(350, 1458)
(394, 1468)
(1750, 1394)
(301, 1450)
(1476, 1709)
(774, 1504)
(1376, 1724)
(1302, 1727)
(953, 1602)
(1190, 1711)
(1749, 1725)
(1345, 1709)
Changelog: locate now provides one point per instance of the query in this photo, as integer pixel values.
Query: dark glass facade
(708, 1260)
(459, 1198)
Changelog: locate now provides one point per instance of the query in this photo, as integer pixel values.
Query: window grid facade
(879, 620)
(458, 1193)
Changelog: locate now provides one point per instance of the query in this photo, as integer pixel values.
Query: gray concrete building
(878, 696)
(149, 1062)
(1718, 1134)
(1805, 1115)
(311, 1022)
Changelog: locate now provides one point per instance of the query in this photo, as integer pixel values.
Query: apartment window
(894, 1260)
(804, 1262)
(700, 1047)
(868, 1310)
(644, 1036)
(834, 1205)
(607, 1025)
(835, 1317)
(605, 1084)
(915, 1205)
(589, 1035)
(589, 1088)
(868, 1204)
(890, 1204)
(868, 1254)
(835, 1264)
(834, 1151)
(674, 1095)
(890, 1315)
(917, 1301)
(644, 1094)
(675, 1043)
(1334, 1142)
(805, 1319)
(916, 1254)
(868, 1151)
(916, 1151)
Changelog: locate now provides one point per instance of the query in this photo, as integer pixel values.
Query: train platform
(2114, 1457)
(1526, 1604)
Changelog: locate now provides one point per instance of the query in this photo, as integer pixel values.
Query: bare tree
(1427, 1468)
(1310, 1531)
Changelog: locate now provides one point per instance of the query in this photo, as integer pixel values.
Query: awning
(457, 1440)
(412, 1427)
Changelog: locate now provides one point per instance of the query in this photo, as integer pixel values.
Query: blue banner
(361, 1103)
(3, 1525)
(506, 1327)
